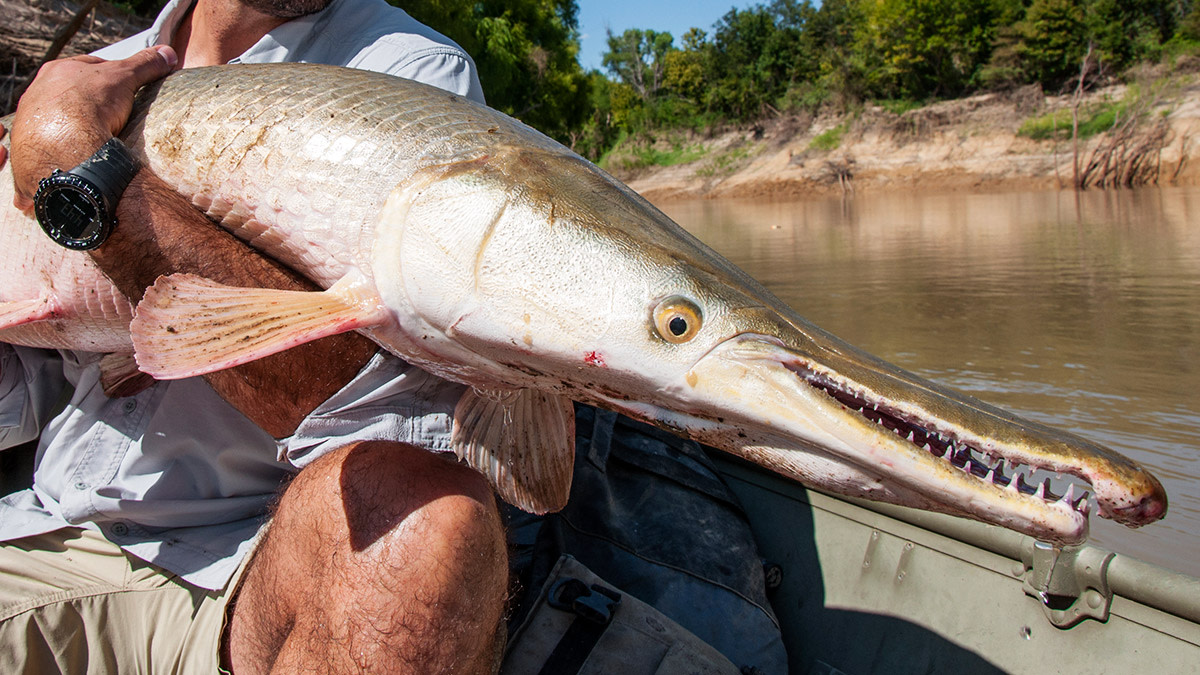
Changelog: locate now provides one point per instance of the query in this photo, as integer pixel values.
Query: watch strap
(85, 221)
(110, 169)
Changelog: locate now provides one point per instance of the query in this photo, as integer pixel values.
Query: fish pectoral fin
(523, 441)
(187, 325)
(21, 312)
(120, 377)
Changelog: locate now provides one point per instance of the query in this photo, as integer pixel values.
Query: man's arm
(72, 107)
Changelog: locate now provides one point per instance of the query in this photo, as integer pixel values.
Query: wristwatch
(78, 208)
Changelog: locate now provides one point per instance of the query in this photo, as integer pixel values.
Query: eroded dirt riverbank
(966, 144)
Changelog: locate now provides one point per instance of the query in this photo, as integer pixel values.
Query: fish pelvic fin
(522, 440)
(120, 377)
(21, 312)
(187, 325)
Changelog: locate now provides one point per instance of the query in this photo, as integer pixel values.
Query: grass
(724, 162)
(679, 153)
(829, 139)
(900, 106)
(1093, 120)
(629, 152)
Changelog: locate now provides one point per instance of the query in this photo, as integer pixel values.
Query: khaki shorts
(73, 602)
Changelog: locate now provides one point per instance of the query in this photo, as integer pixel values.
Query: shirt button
(120, 529)
(130, 406)
(82, 486)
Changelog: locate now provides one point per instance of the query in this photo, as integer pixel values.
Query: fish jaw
(917, 445)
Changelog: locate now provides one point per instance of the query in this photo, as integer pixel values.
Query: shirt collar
(168, 20)
(274, 46)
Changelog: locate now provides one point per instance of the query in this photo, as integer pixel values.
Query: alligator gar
(471, 245)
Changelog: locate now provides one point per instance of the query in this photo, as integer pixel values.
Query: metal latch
(595, 604)
(1070, 583)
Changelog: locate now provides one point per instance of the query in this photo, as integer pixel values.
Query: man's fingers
(150, 64)
(72, 107)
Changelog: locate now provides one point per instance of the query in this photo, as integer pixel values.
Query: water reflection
(1079, 311)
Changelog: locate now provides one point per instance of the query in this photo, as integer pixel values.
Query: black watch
(78, 208)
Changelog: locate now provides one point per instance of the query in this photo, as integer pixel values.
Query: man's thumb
(152, 63)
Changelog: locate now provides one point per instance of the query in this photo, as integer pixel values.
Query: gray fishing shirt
(175, 475)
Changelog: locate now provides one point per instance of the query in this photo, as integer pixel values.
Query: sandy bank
(965, 144)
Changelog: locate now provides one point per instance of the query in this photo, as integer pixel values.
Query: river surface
(1082, 312)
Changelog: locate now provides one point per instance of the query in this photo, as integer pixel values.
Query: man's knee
(367, 490)
(383, 541)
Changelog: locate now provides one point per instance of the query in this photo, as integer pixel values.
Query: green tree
(683, 74)
(1128, 31)
(927, 47)
(638, 58)
(527, 52)
(1055, 39)
(747, 63)
(842, 63)
(1189, 23)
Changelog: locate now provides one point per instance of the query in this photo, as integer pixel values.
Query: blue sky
(673, 16)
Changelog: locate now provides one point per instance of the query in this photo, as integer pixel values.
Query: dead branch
(1075, 100)
(61, 38)
(1130, 152)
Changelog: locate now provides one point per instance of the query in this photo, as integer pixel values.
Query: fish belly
(80, 307)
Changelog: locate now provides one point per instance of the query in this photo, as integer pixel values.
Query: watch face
(73, 213)
(70, 210)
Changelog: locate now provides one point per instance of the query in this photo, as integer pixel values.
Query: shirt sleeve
(439, 66)
(388, 400)
(31, 383)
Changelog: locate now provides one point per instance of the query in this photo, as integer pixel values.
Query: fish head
(542, 271)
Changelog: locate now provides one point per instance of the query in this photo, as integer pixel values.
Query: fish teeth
(1018, 479)
(1012, 483)
(1042, 488)
(1069, 496)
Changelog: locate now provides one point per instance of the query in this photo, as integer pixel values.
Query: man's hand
(71, 108)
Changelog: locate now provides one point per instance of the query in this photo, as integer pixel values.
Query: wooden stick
(61, 38)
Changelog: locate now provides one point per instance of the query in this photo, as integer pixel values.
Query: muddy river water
(1082, 312)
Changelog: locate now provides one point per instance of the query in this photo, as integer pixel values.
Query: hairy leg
(381, 557)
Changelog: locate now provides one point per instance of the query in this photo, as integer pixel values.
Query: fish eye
(677, 319)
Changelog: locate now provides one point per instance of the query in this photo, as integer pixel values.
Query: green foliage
(926, 47)
(677, 153)
(725, 161)
(830, 139)
(784, 56)
(1054, 40)
(1189, 25)
(1057, 125)
(631, 153)
(527, 54)
(900, 106)
(803, 96)
(638, 58)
